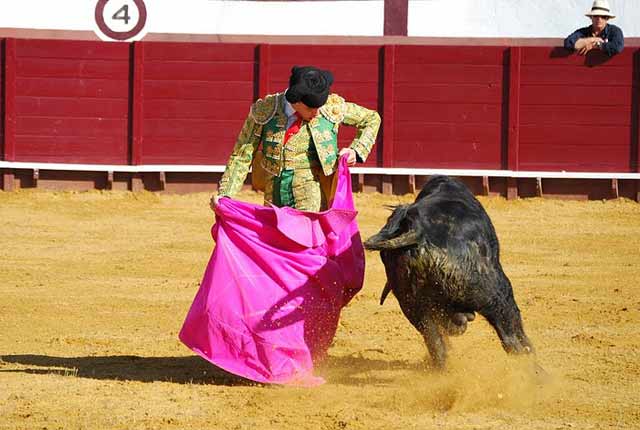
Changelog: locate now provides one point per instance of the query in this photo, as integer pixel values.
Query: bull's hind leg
(507, 322)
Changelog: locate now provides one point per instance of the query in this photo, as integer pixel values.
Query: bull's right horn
(378, 242)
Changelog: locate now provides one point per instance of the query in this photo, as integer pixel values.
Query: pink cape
(272, 293)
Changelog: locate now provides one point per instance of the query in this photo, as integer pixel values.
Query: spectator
(599, 35)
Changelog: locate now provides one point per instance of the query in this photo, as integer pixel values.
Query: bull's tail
(385, 292)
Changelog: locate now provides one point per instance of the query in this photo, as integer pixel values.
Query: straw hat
(600, 8)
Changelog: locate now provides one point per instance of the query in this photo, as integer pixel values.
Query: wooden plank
(577, 76)
(388, 106)
(198, 71)
(324, 56)
(62, 126)
(614, 189)
(449, 73)
(205, 52)
(559, 57)
(445, 93)
(199, 90)
(485, 186)
(411, 182)
(162, 179)
(137, 183)
(439, 132)
(514, 103)
(601, 136)
(449, 55)
(9, 103)
(72, 149)
(439, 154)
(539, 192)
(550, 95)
(212, 129)
(360, 183)
(586, 115)
(344, 73)
(195, 109)
(387, 184)
(449, 112)
(72, 87)
(363, 93)
(187, 150)
(512, 188)
(71, 107)
(8, 180)
(71, 68)
(71, 49)
(109, 182)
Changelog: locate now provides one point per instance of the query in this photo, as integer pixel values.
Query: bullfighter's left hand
(351, 159)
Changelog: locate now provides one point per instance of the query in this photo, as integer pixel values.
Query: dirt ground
(94, 288)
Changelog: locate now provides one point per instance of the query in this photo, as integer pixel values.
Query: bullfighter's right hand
(213, 202)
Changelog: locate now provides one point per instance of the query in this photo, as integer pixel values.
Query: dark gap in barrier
(132, 101)
(504, 113)
(381, 102)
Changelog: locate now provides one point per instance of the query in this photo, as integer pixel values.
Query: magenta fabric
(270, 300)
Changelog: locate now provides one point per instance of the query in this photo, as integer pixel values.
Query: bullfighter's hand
(213, 202)
(351, 159)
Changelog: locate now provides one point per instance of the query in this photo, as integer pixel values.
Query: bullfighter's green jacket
(265, 127)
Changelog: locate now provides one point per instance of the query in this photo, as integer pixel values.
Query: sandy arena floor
(94, 288)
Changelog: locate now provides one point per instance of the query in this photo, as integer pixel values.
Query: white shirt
(289, 111)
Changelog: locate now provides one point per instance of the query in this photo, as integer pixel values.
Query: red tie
(293, 128)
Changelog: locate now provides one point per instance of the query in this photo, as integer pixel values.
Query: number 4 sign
(122, 20)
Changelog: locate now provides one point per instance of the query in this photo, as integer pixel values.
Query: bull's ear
(379, 242)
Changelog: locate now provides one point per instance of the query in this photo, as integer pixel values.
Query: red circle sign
(120, 35)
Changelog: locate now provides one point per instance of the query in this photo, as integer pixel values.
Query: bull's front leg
(434, 340)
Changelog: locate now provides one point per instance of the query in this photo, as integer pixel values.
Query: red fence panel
(3, 98)
(71, 101)
(356, 70)
(448, 107)
(522, 108)
(195, 99)
(575, 112)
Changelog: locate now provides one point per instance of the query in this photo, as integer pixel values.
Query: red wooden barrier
(574, 117)
(69, 100)
(196, 97)
(480, 107)
(448, 107)
(356, 71)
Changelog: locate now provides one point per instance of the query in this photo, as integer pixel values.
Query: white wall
(513, 18)
(434, 18)
(356, 17)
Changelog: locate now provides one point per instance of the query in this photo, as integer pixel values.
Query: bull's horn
(377, 243)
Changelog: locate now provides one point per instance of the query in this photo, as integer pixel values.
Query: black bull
(442, 260)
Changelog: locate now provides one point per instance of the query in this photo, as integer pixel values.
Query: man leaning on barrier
(599, 35)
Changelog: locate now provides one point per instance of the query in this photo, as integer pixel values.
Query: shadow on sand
(181, 370)
(350, 370)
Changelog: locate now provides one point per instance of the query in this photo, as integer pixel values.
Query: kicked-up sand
(94, 288)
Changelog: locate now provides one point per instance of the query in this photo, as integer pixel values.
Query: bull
(442, 260)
